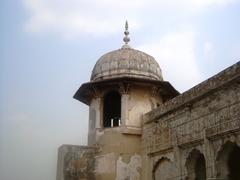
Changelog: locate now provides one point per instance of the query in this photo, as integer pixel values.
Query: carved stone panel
(157, 138)
(222, 128)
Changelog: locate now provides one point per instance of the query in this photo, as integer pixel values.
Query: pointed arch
(228, 161)
(196, 166)
(111, 109)
(163, 169)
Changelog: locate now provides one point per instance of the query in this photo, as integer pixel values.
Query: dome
(126, 62)
(122, 67)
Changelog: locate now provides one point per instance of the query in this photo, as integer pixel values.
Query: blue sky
(49, 47)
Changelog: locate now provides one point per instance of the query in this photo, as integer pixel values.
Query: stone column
(209, 158)
(98, 109)
(124, 109)
(94, 120)
(124, 90)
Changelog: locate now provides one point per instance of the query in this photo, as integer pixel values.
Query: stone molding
(229, 75)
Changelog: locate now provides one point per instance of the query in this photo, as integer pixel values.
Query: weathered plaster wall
(117, 153)
(75, 162)
(105, 166)
(203, 118)
(118, 148)
(140, 101)
(114, 166)
(112, 140)
(129, 167)
(135, 102)
(94, 120)
(164, 169)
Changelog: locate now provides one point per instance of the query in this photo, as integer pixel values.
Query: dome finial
(126, 39)
(126, 25)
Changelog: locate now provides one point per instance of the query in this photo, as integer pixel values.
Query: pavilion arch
(228, 161)
(111, 109)
(196, 166)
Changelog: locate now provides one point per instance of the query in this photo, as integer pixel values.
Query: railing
(115, 119)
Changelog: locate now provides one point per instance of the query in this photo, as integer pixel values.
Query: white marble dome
(126, 62)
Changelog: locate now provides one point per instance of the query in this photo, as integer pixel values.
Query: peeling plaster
(105, 163)
(129, 171)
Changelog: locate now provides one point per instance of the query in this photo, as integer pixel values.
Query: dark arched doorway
(112, 109)
(234, 163)
(228, 162)
(196, 166)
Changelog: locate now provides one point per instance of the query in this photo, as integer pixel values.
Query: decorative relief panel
(234, 110)
(157, 138)
(213, 113)
(222, 128)
(226, 120)
(222, 115)
(189, 132)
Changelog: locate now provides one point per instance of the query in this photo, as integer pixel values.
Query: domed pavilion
(125, 84)
(141, 128)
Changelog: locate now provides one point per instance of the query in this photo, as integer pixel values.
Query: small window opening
(112, 109)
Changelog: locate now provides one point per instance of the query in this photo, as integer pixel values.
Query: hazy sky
(49, 47)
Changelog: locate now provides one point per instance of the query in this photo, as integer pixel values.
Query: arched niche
(164, 169)
(228, 161)
(111, 109)
(196, 166)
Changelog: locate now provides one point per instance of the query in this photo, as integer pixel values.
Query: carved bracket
(96, 92)
(154, 91)
(124, 88)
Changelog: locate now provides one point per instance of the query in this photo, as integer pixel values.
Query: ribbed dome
(126, 62)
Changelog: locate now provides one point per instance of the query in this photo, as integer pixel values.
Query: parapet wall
(203, 89)
(75, 162)
(202, 119)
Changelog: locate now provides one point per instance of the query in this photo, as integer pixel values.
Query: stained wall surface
(194, 135)
(75, 162)
(201, 125)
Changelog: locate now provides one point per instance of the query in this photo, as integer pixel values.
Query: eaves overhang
(88, 90)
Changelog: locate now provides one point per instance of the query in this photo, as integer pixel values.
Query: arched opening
(228, 162)
(112, 109)
(196, 166)
(234, 163)
(200, 168)
(164, 170)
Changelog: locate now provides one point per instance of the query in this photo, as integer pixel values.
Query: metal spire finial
(126, 25)
(126, 39)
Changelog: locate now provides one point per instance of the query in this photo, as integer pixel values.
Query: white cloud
(188, 4)
(175, 52)
(73, 17)
(205, 3)
(209, 52)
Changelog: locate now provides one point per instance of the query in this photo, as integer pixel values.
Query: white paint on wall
(129, 171)
(105, 163)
